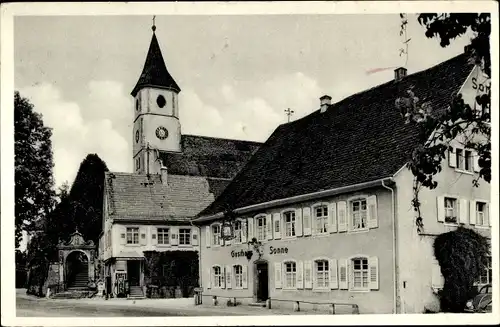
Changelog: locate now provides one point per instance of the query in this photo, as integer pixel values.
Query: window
(132, 235)
(481, 216)
(185, 236)
(321, 219)
(217, 271)
(238, 276)
(450, 208)
(138, 163)
(216, 238)
(162, 235)
(468, 160)
(322, 274)
(290, 275)
(237, 231)
(358, 209)
(486, 275)
(460, 159)
(289, 223)
(261, 228)
(360, 273)
(464, 160)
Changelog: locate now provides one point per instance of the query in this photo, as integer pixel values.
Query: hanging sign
(227, 231)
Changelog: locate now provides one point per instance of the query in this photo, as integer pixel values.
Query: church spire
(155, 73)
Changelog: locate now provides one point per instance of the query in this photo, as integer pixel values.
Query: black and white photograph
(299, 163)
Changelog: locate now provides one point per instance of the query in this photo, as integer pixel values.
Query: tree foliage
(437, 126)
(462, 255)
(33, 167)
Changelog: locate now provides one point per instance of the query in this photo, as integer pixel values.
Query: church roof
(359, 139)
(155, 72)
(209, 156)
(137, 197)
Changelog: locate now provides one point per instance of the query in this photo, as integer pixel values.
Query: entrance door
(134, 272)
(262, 282)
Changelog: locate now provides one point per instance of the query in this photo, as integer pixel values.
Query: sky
(237, 73)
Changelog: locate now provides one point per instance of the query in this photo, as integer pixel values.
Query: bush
(462, 255)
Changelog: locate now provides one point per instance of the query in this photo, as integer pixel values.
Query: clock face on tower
(161, 133)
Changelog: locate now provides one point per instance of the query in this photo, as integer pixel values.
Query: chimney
(163, 175)
(399, 73)
(325, 101)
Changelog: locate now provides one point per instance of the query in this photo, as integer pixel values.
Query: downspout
(394, 263)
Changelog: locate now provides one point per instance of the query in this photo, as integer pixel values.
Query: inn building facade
(327, 198)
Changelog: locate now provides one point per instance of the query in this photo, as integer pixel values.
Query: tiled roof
(131, 197)
(359, 139)
(209, 156)
(155, 72)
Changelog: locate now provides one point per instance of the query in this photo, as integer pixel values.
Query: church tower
(156, 114)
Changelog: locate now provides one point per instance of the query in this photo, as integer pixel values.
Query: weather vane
(154, 26)
(289, 113)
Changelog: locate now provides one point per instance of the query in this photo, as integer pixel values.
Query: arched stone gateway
(76, 262)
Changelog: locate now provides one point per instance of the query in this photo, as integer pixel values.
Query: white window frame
(163, 236)
(489, 273)
(220, 281)
(213, 234)
(238, 276)
(284, 283)
(293, 223)
(350, 214)
(352, 287)
(238, 232)
(460, 154)
(314, 220)
(132, 230)
(260, 217)
(484, 213)
(325, 273)
(446, 210)
(188, 238)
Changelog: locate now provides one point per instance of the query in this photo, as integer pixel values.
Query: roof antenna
(154, 26)
(402, 32)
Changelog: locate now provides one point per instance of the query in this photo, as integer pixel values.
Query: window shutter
(342, 215)
(209, 279)
(298, 222)
(244, 276)
(332, 217)
(154, 235)
(276, 221)
(306, 220)
(372, 217)
(477, 169)
(208, 235)
(223, 277)
(452, 158)
(142, 236)
(437, 280)
(300, 274)
(123, 234)
(194, 236)
(174, 235)
(269, 226)
(343, 275)
(440, 208)
(308, 274)
(243, 231)
(488, 213)
(277, 275)
(332, 274)
(472, 212)
(250, 229)
(464, 211)
(229, 278)
(374, 273)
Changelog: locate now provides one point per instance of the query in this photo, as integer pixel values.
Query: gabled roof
(209, 156)
(155, 72)
(137, 197)
(361, 138)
